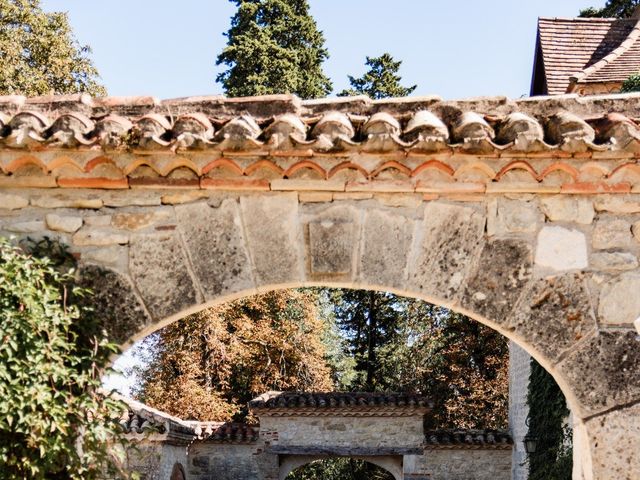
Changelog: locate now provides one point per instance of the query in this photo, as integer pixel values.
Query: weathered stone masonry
(524, 215)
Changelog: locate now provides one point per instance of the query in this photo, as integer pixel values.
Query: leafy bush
(631, 84)
(54, 421)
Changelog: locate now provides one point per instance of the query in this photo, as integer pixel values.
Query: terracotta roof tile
(288, 403)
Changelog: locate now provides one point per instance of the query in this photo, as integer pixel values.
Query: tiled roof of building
(571, 45)
(226, 432)
(384, 404)
(465, 439)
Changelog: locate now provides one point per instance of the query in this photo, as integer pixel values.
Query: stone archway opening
(356, 468)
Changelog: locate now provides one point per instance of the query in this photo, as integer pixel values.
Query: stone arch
(290, 463)
(177, 473)
(492, 260)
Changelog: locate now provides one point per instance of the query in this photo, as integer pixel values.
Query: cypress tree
(381, 81)
(274, 46)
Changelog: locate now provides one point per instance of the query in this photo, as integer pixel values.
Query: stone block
(138, 220)
(636, 231)
(158, 266)
(615, 442)
(99, 237)
(98, 220)
(617, 203)
(614, 261)
(274, 237)
(620, 300)
(12, 202)
(331, 246)
(561, 249)
(611, 233)
(33, 226)
(604, 370)
(516, 216)
(216, 246)
(568, 208)
(553, 314)
(451, 237)
(387, 238)
(66, 201)
(63, 223)
(114, 302)
(112, 256)
(498, 279)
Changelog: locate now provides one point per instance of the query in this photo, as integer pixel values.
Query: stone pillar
(519, 369)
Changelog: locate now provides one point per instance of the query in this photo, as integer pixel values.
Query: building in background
(587, 56)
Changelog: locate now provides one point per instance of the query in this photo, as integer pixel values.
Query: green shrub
(631, 84)
(54, 421)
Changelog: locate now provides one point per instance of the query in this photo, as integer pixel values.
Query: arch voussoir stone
(604, 370)
(216, 246)
(274, 237)
(501, 274)
(554, 314)
(386, 239)
(450, 239)
(118, 308)
(159, 268)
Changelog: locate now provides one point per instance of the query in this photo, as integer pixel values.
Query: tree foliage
(54, 421)
(381, 81)
(274, 46)
(548, 412)
(407, 345)
(208, 366)
(612, 9)
(631, 84)
(340, 469)
(39, 55)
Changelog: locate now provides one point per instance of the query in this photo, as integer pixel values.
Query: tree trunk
(372, 323)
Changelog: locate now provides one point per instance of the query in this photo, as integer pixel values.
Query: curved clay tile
(348, 167)
(305, 165)
(469, 171)
(192, 130)
(382, 133)
(26, 128)
(286, 131)
(424, 126)
(565, 126)
(433, 164)
(471, 126)
(71, 130)
(561, 167)
(222, 163)
(518, 126)
(111, 130)
(617, 130)
(150, 130)
(518, 165)
(334, 130)
(240, 133)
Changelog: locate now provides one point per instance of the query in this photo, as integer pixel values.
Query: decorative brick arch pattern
(519, 214)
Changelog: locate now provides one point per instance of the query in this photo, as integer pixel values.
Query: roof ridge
(585, 19)
(631, 39)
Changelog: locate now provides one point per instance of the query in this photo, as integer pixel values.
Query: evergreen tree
(612, 9)
(274, 46)
(39, 55)
(631, 84)
(381, 81)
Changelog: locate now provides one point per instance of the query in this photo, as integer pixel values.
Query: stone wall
(460, 465)
(156, 460)
(368, 433)
(225, 462)
(519, 370)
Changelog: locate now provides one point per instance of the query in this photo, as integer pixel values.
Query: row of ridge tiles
(227, 432)
(338, 400)
(281, 123)
(452, 438)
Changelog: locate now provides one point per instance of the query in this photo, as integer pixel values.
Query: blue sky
(452, 49)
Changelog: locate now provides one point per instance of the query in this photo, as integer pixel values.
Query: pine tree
(381, 81)
(612, 9)
(39, 55)
(274, 46)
